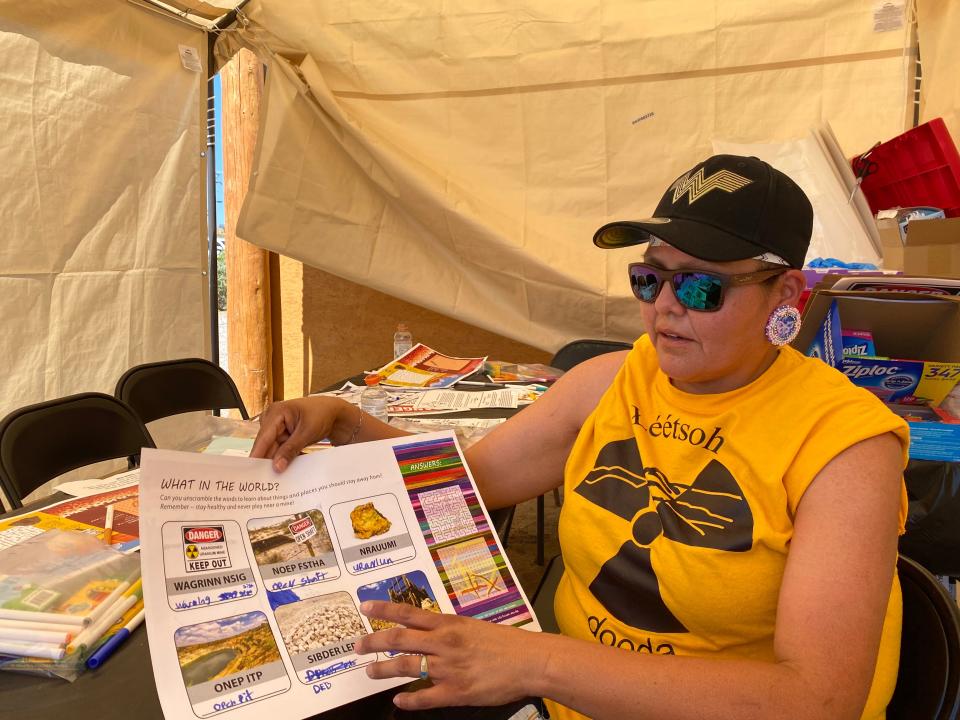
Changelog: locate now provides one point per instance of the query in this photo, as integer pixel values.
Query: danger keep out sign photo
(302, 530)
(205, 548)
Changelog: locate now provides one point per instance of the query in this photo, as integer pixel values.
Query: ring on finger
(424, 669)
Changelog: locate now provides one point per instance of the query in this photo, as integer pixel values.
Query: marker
(128, 615)
(46, 627)
(95, 631)
(30, 615)
(135, 589)
(32, 649)
(110, 646)
(108, 601)
(108, 526)
(41, 636)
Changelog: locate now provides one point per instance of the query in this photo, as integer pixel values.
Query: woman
(731, 507)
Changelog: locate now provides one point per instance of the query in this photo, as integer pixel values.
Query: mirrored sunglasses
(694, 289)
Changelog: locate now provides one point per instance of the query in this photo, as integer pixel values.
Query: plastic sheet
(67, 573)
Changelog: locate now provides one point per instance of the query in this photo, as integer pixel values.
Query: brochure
(424, 367)
(83, 488)
(86, 514)
(254, 579)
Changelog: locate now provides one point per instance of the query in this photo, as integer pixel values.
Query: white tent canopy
(456, 155)
(102, 256)
(462, 158)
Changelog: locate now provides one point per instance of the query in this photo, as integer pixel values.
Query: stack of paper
(410, 402)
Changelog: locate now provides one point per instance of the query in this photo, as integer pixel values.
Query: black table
(124, 687)
(121, 690)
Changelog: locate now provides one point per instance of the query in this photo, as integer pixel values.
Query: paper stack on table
(405, 403)
(444, 401)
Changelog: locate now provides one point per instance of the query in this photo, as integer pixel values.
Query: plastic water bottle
(402, 340)
(373, 401)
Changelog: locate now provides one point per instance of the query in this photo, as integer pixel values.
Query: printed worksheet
(253, 580)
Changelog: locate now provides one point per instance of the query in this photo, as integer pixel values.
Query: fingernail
(365, 607)
(280, 464)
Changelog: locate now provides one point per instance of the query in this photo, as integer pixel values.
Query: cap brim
(697, 239)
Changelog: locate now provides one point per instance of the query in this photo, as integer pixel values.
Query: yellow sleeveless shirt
(678, 509)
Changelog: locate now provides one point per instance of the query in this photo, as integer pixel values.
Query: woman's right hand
(289, 426)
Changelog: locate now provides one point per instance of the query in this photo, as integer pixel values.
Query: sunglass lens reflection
(645, 285)
(698, 291)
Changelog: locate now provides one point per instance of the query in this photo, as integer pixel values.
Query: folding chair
(502, 519)
(928, 682)
(41, 441)
(574, 353)
(160, 389)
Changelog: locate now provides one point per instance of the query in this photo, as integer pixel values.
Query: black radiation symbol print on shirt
(710, 512)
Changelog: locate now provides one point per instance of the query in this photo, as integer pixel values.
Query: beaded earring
(783, 325)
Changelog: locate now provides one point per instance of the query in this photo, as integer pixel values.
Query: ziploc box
(858, 343)
(903, 324)
(827, 344)
(903, 381)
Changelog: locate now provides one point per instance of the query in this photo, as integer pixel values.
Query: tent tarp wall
(103, 250)
(938, 29)
(461, 158)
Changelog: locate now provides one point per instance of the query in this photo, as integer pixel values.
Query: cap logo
(696, 186)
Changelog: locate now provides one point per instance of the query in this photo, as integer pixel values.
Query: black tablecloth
(124, 687)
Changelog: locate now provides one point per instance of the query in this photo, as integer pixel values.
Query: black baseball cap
(728, 207)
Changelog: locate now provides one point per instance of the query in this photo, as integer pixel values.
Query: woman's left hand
(470, 662)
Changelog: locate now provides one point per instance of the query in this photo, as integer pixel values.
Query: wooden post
(248, 267)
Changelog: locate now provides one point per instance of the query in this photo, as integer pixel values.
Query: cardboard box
(932, 248)
(916, 382)
(892, 377)
(891, 244)
(934, 434)
(904, 325)
(890, 282)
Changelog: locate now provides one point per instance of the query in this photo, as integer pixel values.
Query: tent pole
(224, 22)
(249, 322)
(212, 207)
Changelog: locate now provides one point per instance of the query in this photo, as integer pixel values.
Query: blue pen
(106, 650)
